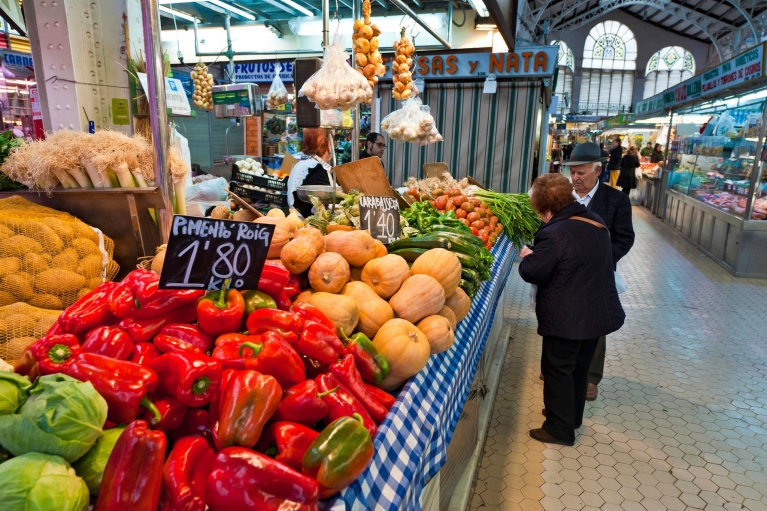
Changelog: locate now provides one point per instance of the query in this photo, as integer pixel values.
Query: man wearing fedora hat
(614, 207)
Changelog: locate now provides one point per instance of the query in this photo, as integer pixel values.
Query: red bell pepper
(314, 368)
(320, 343)
(283, 322)
(190, 334)
(250, 400)
(133, 475)
(218, 397)
(283, 301)
(244, 480)
(341, 402)
(49, 355)
(347, 374)
(88, 312)
(192, 378)
(55, 329)
(196, 423)
(143, 352)
(171, 409)
(381, 395)
(287, 443)
(122, 302)
(293, 287)
(143, 330)
(303, 404)
(152, 302)
(110, 341)
(124, 385)
(308, 312)
(185, 474)
(220, 312)
(268, 353)
(274, 278)
(168, 344)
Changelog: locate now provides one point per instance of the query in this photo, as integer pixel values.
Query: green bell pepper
(372, 366)
(255, 300)
(339, 455)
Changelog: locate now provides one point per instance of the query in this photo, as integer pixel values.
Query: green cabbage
(41, 482)
(14, 390)
(91, 466)
(62, 416)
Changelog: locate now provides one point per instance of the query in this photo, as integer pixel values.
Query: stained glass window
(564, 90)
(609, 61)
(565, 55)
(666, 68)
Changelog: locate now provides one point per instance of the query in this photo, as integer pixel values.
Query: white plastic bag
(635, 197)
(211, 190)
(336, 84)
(533, 294)
(620, 283)
(412, 123)
(638, 173)
(278, 94)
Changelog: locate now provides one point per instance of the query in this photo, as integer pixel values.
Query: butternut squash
(284, 230)
(441, 264)
(374, 311)
(419, 296)
(380, 248)
(357, 247)
(438, 332)
(313, 234)
(342, 310)
(404, 347)
(298, 255)
(386, 274)
(329, 273)
(448, 313)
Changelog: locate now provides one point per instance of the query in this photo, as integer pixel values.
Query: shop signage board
(746, 66)
(203, 252)
(175, 96)
(618, 120)
(526, 62)
(186, 81)
(18, 60)
(262, 72)
(380, 216)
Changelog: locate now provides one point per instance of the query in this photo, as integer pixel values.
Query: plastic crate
(265, 181)
(279, 198)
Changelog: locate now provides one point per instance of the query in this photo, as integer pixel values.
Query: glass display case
(716, 165)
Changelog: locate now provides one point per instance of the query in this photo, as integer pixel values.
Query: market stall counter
(411, 444)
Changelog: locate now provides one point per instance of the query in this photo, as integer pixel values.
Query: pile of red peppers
(232, 400)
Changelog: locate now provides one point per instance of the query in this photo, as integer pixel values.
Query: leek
(66, 180)
(124, 175)
(179, 191)
(139, 179)
(80, 177)
(99, 179)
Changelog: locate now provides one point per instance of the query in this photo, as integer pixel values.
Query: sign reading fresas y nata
(203, 252)
(526, 62)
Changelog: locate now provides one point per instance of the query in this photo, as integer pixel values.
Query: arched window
(666, 68)
(609, 61)
(564, 89)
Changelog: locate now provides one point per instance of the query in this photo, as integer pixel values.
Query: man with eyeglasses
(374, 146)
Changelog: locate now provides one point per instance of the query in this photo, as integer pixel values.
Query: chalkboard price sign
(203, 252)
(380, 216)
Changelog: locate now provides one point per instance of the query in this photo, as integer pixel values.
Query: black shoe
(542, 436)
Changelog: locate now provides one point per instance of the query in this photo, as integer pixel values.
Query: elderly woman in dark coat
(576, 303)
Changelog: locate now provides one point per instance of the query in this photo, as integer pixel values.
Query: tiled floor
(681, 420)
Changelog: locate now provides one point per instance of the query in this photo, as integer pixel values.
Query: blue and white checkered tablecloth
(411, 444)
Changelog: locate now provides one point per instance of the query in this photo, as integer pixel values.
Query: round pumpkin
(342, 310)
(380, 248)
(329, 272)
(386, 274)
(438, 332)
(448, 313)
(404, 347)
(356, 246)
(418, 297)
(460, 303)
(313, 234)
(298, 255)
(374, 311)
(284, 230)
(276, 213)
(441, 264)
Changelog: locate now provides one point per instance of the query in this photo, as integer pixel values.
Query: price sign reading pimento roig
(203, 252)
(380, 216)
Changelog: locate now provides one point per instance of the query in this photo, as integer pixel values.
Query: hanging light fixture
(479, 6)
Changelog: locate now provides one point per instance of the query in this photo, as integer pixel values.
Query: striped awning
(490, 137)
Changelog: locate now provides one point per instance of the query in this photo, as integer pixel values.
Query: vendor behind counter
(316, 170)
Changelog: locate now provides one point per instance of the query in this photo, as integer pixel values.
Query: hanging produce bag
(278, 94)
(336, 84)
(412, 123)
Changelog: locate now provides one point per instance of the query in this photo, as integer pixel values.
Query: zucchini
(454, 243)
(470, 275)
(460, 236)
(426, 242)
(412, 253)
